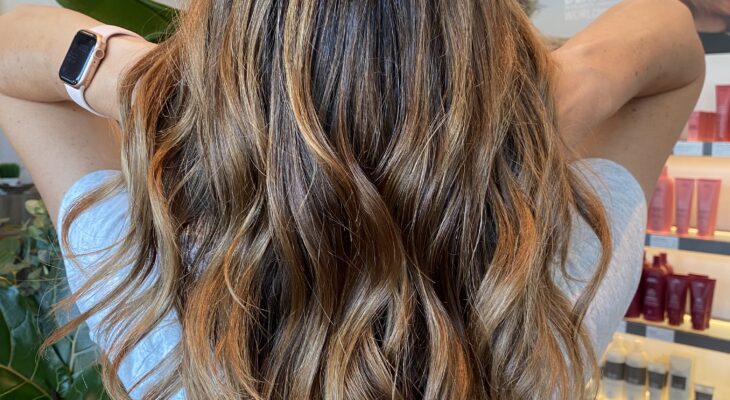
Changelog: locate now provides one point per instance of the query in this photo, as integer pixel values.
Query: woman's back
(104, 224)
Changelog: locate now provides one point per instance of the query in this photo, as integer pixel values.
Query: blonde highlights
(349, 200)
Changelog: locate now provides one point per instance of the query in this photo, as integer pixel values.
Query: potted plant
(9, 174)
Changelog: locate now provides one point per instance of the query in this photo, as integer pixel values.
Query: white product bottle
(636, 373)
(704, 392)
(657, 380)
(680, 377)
(612, 383)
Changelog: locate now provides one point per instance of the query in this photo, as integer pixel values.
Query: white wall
(8, 4)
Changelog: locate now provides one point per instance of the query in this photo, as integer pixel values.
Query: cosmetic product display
(701, 292)
(680, 377)
(708, 198)
(657, 372)
(684, 190)
(662, 204)
(641, 375)
(704, 392)
(612, 381)
(722, 100)
(663, 294)
(654, 291)
(676, 288)
(637, 362)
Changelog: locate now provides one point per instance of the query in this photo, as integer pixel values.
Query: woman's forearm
(653, 41)
(35, 42)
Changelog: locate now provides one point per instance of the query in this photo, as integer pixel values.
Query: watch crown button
(99, 54)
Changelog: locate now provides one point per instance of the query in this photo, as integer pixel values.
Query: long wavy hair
(348, 200)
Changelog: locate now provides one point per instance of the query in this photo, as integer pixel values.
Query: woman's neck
(709, 23)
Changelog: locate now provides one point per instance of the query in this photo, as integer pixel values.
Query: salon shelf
(702, 149)
(716, 338)
(720, 244)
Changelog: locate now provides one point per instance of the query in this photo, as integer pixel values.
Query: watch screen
(78, 55)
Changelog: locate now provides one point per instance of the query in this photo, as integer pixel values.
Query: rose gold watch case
(97, 54)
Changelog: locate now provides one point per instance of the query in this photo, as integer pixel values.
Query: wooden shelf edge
(716, 338)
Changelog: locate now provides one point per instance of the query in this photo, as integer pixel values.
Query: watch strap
(106, 31)
(78, 97)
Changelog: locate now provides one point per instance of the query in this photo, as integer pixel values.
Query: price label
(721, 149)
(665, 242)
(688, 148)
(653, 332)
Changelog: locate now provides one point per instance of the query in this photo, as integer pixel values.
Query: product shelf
(716, 337)
(720, 244)
(702, 149)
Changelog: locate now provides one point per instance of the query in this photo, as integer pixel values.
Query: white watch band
(105, 31)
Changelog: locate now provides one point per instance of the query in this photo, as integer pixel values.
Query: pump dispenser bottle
(612, 383)
(637, 362)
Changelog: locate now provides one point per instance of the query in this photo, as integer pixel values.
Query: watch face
(79, 55)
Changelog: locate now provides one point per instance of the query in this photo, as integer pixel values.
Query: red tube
(701, 292)
(722, 99)
(706, 126)
(661, 206)
(684, 191)
(677, 286)
(708, 197)
(693, 127)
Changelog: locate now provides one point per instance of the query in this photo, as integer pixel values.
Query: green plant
(152, 20)
(32, 279)
(9, 170)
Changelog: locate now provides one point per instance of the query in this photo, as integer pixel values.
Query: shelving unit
(719, 245)
(716, 338)
(702, 149)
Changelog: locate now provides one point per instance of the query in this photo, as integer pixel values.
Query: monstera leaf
(67, 370)
(152, 20)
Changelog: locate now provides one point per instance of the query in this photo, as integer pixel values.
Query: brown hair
(349, 200)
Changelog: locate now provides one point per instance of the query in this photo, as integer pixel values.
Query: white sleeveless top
(623, 198)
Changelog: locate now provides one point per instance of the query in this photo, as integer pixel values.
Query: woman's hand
(35, 42)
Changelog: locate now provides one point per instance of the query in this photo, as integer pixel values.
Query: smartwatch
(87, 50)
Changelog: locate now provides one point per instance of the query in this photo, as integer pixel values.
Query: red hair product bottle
(661, 206)
(665, 263)
(634, 310)
(655, 282)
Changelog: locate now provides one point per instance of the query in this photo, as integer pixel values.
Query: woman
(353, 200)
(711, 19)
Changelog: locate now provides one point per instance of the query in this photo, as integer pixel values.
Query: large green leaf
(152, 20)
(9, 250)
(77, 353)
(23, 375)
(67, 370)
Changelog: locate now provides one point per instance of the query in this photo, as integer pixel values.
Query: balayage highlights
(349, 200)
